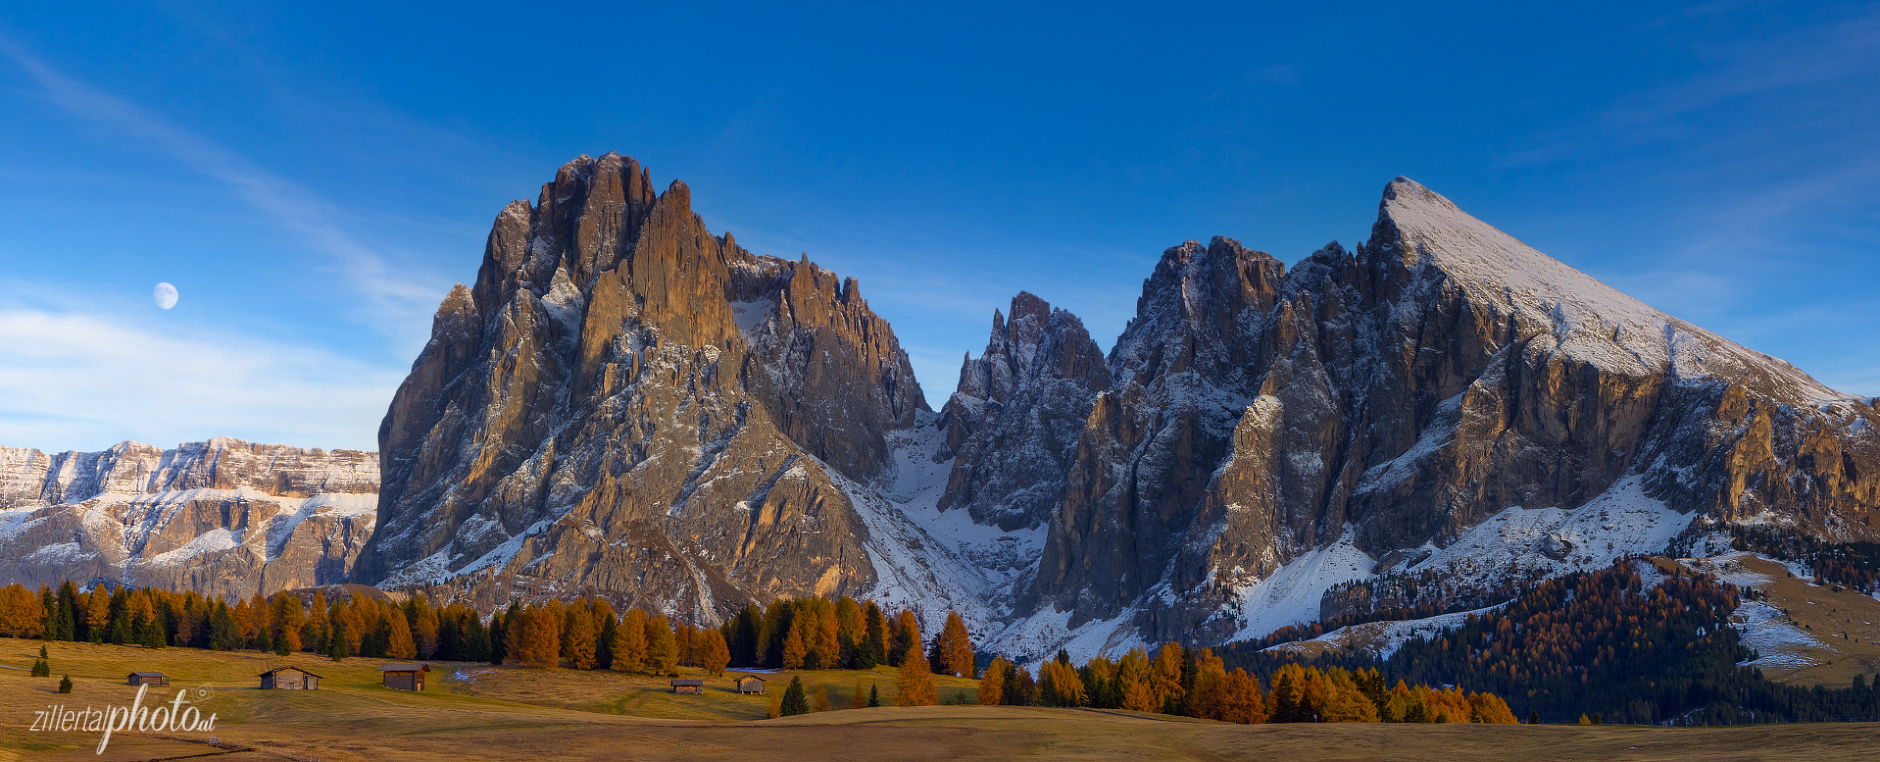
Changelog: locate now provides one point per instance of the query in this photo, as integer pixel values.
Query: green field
(516, 713)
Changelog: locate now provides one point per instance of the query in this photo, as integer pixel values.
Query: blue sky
(313, 179)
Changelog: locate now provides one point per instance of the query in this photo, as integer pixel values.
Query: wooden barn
(289, 679)
(153, 679)
(404, 675)
(750, 684)
(688, 686)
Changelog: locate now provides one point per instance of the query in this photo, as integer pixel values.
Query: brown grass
(533, 714)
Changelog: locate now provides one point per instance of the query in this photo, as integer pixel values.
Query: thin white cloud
(83, 380)
(398, 299)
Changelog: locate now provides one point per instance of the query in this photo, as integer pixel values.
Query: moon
(165, 294)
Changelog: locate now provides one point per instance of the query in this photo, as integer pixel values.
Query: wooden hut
(750, 684)
(289, 679)
(153, 679)
(404, 675)
(688, 686)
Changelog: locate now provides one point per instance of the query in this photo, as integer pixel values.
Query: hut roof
(147, 674)
(284, 669)
(689, 682)
(405, 666)
(752, 677)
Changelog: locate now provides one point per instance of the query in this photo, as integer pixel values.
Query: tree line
(789, 633)
(1197, 683)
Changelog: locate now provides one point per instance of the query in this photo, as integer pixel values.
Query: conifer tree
(398, 642)
(1134, 679)
(955, 646)
(604, 640)
(423, 623)
(874, 646)
(662, 649)
(336, 647)
(97, 614)
(992, 683)
(907, 640)
(857, 699)
(874, 695)
(48, 614)
(715, 654)
(913, 684)
(1166, 677)
(794, 652)
(541, 638)
(820, 701)
(747, 636)
(1242, 700)
(794, 700)
(630, 642)
(68, 611)
(65, 684)
(42, 667)
(1060, 685)
(497, 644)
(827, 647)
(223, 634)
(581, 645)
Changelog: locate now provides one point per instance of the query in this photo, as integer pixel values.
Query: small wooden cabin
(289, 679)
(688, 686)
(750, 684)
(404, 675)
(153, 679)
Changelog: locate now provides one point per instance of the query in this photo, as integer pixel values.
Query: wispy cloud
(88, 379)
(395, 298)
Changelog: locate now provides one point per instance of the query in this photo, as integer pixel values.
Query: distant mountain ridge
(626, 405)
(222, 517)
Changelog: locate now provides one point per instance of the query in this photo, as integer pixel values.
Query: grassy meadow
(479, 712)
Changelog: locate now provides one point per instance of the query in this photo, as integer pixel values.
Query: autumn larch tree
(715, 654)
(906, 639)
(955, 647)
(400, 645)
(992, 683)
(914, 683)
(794, 649)
(630, 642)
(662, 648)
(581, 640)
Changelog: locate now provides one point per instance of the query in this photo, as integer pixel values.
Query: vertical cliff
(625, 405)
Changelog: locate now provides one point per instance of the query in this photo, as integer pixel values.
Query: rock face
(625, 405)
(1013, 424)
(222, 517)
(1389, 400)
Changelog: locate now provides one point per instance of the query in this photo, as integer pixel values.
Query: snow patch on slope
(1621, 521)
(1291, 594)
(1039, 636)
(930, 560)
(1383, 638)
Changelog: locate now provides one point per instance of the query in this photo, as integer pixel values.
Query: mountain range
(626, 405)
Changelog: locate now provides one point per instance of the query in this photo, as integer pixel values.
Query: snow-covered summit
(1589, 320)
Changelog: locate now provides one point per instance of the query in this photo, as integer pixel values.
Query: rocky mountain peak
(643, 409)
(1196, 311)
(1013, 423)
